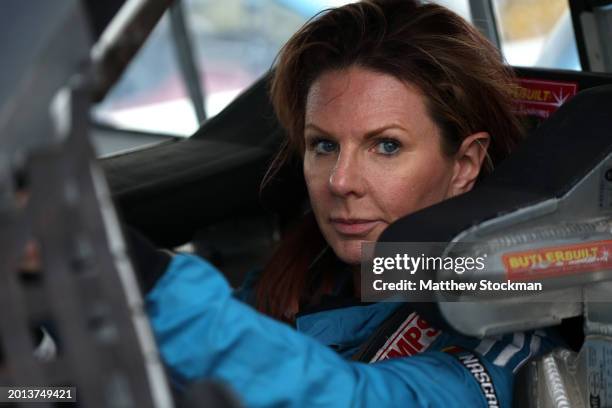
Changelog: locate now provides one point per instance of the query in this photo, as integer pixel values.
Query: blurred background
(234, 42)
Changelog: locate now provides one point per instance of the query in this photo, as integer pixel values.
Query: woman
(392, 106)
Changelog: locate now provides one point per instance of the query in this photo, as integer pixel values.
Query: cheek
(410, 188)
(395, 196)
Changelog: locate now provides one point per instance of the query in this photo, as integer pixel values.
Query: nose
(346, 177)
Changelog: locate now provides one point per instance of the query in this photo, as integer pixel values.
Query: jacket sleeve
(204, 332)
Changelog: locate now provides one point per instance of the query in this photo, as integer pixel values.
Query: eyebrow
(368, 135)
(315, 127)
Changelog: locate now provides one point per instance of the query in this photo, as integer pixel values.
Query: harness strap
(404, 333)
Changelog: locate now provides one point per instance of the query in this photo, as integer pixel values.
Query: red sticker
(413, 336)
(558, 261)
(542, 98)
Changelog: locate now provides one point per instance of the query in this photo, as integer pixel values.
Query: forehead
(362, 99)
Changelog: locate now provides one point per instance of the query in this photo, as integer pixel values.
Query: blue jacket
(203, 331)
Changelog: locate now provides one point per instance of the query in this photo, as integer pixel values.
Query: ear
(468, 162)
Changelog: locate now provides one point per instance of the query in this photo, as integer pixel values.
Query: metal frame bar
(186, 58)
(483, 17)
(592, 40)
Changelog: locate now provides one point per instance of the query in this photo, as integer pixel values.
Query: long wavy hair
(467, 89)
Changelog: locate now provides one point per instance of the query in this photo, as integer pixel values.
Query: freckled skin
(355, 179)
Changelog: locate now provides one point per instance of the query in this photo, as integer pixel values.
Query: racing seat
(554, 192)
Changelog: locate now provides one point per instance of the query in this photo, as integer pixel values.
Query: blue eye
(324, 146)
(387, 147)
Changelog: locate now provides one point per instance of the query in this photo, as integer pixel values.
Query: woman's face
(372, 156)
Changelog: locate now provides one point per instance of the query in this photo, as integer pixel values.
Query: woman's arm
(202, 331)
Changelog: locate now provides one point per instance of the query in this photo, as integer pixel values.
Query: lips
(353, 226)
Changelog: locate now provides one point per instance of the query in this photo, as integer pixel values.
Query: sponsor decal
(482, 376)
(594, 383)
(598, 371)
(542, 98)
(413, 336)
(558, 261)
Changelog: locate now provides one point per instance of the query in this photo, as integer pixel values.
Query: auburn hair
(467, 89)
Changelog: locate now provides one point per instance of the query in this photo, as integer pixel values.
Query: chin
(348, 251)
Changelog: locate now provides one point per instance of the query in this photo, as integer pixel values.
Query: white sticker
(599, 372)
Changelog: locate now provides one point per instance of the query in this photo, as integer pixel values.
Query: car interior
(203, 194)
